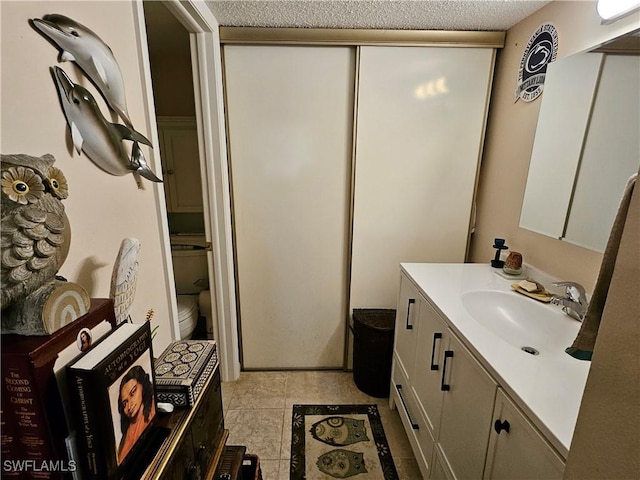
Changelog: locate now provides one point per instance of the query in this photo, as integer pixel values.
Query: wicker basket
(251, 467)
(373, 331)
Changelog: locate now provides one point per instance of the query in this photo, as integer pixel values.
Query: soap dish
(519, 276)
(541, 295)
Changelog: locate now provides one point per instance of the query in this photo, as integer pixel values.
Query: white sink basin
(521, 321)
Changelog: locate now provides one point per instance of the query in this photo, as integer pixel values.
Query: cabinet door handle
(411, 302)
(414, 425)
(443, 386)
(500, 426)
(436, 336)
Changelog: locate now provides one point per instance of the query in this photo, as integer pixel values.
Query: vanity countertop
(548, 387)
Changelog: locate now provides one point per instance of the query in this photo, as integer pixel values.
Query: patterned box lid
(183, 361)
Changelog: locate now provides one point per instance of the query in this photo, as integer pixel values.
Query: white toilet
(191, 278)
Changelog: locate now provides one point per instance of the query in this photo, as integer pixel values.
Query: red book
(33, 409)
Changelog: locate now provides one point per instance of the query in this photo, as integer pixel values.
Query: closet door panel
(420, 126)
(290, 116)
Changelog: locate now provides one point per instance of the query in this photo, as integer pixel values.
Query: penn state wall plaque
(539, 52)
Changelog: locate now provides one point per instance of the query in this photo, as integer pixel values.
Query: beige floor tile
(270, 469)
(284, 470)
(325, 387)
(259, 390)
(285, 449)
(407, 469)
(227, 394)
(312, 387)
(260, 430)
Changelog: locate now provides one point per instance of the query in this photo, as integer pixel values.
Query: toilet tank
(189, 264)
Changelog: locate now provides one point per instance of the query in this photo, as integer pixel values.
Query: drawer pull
(414, 425)
(411, 302)
(436, 336)
(500, 426)
(443, 386)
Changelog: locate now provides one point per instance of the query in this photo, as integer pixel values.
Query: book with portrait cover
(112, 391)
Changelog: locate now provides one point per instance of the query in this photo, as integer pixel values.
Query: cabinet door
(613, 133)
(569, 88)
(181, 161)
(406, 330)
(467, 408)
(432, 338)
(517, 449)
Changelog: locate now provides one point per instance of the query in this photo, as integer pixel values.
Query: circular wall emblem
(539, 52)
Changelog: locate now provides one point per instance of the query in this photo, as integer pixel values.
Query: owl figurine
(35, 242)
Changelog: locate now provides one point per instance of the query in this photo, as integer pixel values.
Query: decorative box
(183, 369)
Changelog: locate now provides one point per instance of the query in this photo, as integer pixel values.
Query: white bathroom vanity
(480, 377)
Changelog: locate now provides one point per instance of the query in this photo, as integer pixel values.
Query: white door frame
(206, 61)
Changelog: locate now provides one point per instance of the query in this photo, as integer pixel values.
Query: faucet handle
(575, 291)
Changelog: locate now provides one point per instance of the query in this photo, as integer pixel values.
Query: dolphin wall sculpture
(98, 138)
(82, 46)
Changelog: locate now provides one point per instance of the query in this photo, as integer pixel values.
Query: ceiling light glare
(611, 10)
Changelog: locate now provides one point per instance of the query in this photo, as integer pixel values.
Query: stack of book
(112, 394)
(37, 437)
(81, 402)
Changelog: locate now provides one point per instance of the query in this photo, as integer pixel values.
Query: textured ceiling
(378, 14)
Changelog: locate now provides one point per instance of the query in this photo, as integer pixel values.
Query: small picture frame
(84, 340)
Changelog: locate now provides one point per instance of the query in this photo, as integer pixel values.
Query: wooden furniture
(196, 438)
(230, 465)
(460, 422)
(35, 419)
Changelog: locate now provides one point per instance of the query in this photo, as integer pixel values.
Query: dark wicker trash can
(373, 330)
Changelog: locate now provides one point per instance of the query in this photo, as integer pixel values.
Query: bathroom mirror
(586, 146)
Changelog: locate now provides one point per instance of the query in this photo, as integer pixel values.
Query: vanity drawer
(412, 419)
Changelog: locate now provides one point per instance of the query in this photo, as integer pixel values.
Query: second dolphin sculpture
(100, 139)
(82, 46)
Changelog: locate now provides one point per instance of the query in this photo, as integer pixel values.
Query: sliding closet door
(290, 116)
(420, 126)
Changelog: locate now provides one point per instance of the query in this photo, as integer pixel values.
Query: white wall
(102, 209)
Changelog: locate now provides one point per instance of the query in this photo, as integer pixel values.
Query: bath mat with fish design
(339, 441)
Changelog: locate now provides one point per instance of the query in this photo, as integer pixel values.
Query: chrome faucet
(574, 303)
